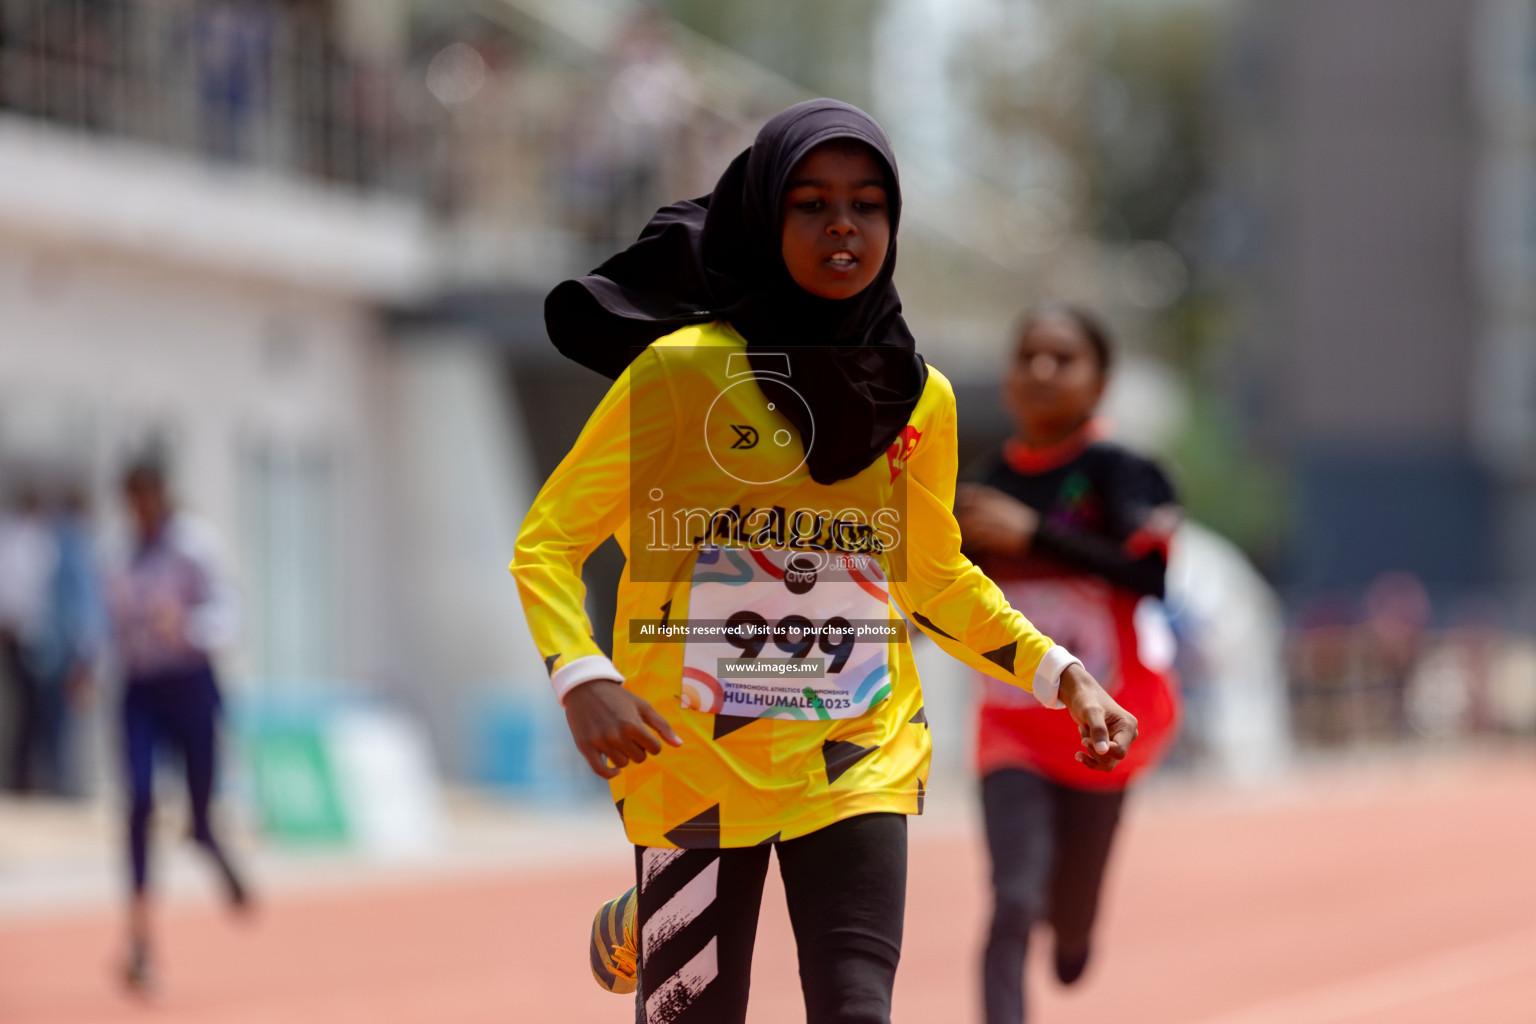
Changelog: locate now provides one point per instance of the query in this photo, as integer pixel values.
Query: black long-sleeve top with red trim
(1103, 510)
(1106, 518)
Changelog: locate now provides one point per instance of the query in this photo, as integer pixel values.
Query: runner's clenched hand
(993, 521)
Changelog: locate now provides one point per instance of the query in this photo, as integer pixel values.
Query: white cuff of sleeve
(582, 670)
(1048, 675)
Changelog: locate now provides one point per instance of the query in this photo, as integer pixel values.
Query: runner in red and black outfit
(1075, 531)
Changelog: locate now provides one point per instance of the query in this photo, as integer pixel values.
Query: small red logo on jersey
(900, 448)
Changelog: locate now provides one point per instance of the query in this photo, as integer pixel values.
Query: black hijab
(718, 258)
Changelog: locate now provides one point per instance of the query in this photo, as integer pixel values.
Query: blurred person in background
(28, 559)
(623, 153)
(651, 97)
(65, 650)
(171, 610)
(233, 47)
(1074, 529)
(1398, 613)
(1355, 663)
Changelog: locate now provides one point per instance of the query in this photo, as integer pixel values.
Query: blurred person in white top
(171, 611)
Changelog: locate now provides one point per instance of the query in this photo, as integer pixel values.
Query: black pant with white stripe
(846, 889)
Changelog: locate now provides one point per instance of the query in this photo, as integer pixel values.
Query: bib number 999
(795, 635)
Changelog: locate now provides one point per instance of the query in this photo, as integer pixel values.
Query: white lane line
(1436, 974)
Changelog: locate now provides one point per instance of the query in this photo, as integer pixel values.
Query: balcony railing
(481, 124)
(236, 81)
(542, 133)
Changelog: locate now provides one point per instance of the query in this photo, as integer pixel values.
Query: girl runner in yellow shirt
(778, 465)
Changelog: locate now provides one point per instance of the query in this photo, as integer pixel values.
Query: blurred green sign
(295, 781)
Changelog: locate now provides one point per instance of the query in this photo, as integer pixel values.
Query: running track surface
(1392, 901)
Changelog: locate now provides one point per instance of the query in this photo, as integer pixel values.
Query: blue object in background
(1362, 514)
(519, 744)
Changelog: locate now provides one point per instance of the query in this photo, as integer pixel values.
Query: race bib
(1078, 614)
(787, 634)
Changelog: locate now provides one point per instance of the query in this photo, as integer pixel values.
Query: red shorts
(1023, 734)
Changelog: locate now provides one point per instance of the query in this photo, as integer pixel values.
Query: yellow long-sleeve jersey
(757, 610)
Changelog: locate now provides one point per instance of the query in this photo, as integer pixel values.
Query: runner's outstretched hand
(1107, 729)
(612, 727)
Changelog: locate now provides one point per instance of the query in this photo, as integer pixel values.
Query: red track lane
(1404, 903)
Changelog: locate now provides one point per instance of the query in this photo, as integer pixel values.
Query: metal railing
(245, 83)
(1358, 683)
(486, 125)
(542, 133)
